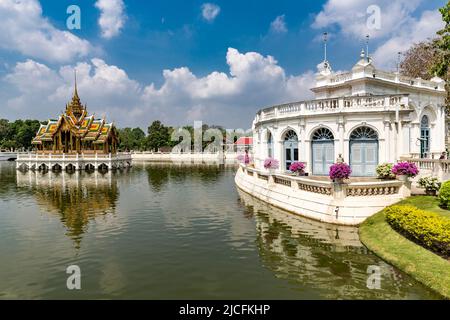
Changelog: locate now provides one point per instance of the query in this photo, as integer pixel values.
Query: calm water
(174, 232)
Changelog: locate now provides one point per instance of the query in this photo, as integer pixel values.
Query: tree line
(17, 135)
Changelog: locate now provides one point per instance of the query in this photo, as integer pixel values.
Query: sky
(181, 61)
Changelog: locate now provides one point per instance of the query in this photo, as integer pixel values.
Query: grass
(418, 262)
(428, 203)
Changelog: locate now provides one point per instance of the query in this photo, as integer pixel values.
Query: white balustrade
(343, 104)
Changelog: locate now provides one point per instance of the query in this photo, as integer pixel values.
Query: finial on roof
(399, 58)
(367, 47)
(324, 67)
(363, 54)
(75, 93)
(325, 39)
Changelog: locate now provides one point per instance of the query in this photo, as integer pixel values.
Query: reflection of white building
(367, 115)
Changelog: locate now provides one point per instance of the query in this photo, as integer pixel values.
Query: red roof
(244, 141)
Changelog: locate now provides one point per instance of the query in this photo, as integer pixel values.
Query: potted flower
(298, 168)
(271, 164)
(405, 170)
(430, 184)
(339, 172)
(244, 158)
(384, 171)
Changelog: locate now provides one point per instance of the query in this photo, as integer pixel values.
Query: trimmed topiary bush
(444, 195)
(428, 229)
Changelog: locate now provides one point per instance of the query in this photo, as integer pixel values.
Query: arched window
(425, 122)
(363, 151)
(322, 151)
(269, 144)
(290, 148)
(424, 137)
(290, 136)
(322, 134)
(364, 133)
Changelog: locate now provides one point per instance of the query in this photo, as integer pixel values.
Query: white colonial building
(366, 115)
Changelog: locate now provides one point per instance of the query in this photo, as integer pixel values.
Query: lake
(172, 231)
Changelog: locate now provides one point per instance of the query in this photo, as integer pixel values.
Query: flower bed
(426, 228)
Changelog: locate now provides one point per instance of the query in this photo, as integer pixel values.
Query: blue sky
(181, 61)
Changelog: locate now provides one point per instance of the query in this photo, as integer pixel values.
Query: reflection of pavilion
(77, 198)
(330, 259)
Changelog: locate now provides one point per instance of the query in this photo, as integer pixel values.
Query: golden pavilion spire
(75, 93)
(75, 105)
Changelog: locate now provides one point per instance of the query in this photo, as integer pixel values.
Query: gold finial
(75, 93)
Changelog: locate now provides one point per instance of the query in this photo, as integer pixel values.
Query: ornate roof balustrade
(340, 78)
(342, 104)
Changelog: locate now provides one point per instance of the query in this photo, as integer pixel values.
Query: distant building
(75, 132)
(244, 143)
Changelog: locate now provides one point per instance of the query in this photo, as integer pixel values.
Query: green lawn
(426, 203)
(420, 263)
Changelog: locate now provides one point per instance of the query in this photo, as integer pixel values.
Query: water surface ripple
(174, 232)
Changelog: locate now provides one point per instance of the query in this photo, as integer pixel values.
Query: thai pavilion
(75, 141)
(76, 132)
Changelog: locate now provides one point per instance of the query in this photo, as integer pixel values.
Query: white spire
(325, 67)
(325, 39)
(399, 59)
(367, 47)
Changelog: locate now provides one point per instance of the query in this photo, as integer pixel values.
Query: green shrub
(444, 195)
(428, 229)
(384, 171)
(429, 183)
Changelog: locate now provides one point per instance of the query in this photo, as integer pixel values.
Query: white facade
(366, 115)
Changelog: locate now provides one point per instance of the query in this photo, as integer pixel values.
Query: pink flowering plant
(340, 171)
(271, 163)
(244, 158)
(297, 167)
(405, 169)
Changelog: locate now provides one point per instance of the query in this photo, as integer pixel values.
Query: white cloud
(399, 28)
(254, 81)
(43, 92)
(279, 25)
(351, 16)
(415, 31)
(230, 99)
(25, 30)
(112, 17)
(210, 11)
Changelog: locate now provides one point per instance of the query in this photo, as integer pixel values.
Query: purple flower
(271, 163)
(405, 169)
(297, 167)
(340, 171)
(243, 158)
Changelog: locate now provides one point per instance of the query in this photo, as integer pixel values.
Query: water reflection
(77, 198)
(160, 174)
(326, 257)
